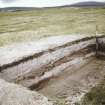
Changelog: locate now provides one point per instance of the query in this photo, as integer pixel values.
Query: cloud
(8, 1)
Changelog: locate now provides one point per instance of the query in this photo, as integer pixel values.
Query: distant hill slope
(13, 9)
(79, 4)
(89, 4)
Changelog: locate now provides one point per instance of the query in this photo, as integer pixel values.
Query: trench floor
(73, 82)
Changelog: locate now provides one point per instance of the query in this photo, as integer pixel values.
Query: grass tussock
(96, 96)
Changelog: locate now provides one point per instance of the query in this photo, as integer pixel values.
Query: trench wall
(100, 47)
(35, 66)
(18, 69)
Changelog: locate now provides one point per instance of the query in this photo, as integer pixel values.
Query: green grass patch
(96, 96)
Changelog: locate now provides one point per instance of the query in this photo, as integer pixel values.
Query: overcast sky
(39, 3)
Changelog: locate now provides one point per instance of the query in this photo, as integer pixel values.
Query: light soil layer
(17, 51)
(75, 81)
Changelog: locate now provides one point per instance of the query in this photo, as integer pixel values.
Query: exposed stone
(12, 94)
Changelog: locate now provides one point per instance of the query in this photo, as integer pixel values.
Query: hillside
(89, 4)
(79, 4)
(13, 9)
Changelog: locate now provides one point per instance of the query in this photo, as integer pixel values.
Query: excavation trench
(65, 72)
